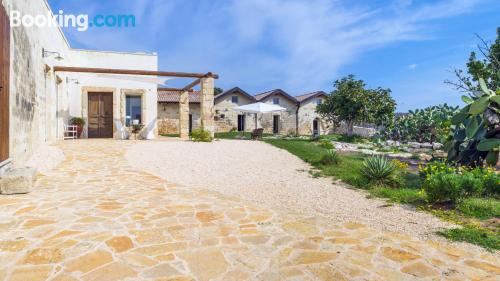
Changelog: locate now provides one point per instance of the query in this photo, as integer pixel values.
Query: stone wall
(307, 115)
(41, 101)
(288, 118)
(226, 118)
(168, 117)
(362, 131)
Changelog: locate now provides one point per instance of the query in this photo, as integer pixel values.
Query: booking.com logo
(80, 22)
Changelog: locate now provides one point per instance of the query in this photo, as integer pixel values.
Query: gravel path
(263, 174)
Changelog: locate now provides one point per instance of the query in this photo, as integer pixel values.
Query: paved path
(96, 218)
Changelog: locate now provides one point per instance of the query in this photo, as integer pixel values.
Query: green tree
(218, 90)
(475, 135)
(486, 66)
(351, 103)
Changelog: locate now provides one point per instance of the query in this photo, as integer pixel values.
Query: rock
(414, 144)
(17, 181)
(426, 145)
(206, 264)
(390, 142)
(439, 154)
(424, 157)
(437, 146)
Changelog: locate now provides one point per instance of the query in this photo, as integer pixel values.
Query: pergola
(205, 80)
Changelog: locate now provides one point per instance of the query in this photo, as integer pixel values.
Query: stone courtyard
(94, 217)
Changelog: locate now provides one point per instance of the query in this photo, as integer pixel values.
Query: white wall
(39, 106)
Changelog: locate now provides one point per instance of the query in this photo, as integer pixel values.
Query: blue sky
(302, 46)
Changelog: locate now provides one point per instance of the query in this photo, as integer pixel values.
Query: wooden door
(100, 119)
(315, 127)
(241, 123)
(190, 123)
(276, 124)
(4, 84)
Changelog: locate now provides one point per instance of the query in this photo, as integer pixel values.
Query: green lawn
(469, 213)
(236, 135)
(483, 237)
(170, 135)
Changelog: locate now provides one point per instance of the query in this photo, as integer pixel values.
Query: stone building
(169, 111)
(44, 83)
(226, 118)
(309, 121)
(300, 116)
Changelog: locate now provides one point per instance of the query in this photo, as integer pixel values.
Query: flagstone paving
(96, 218)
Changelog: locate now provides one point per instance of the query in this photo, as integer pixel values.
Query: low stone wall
(361, 131)
(168, 126)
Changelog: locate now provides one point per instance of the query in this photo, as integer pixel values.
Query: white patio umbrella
(259, 107)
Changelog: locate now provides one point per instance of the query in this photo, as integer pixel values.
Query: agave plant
(331, 157)
(475, 136)
(378, 169)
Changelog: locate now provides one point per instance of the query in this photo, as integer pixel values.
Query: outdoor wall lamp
(46, 54)
(69, 80)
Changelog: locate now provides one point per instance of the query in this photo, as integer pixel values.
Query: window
(276, 100)
(234, 99)
(319, 101)
(133, 106)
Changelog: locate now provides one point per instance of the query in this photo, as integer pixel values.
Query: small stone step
(17, 181)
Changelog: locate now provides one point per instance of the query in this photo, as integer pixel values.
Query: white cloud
(412, 66)
(260, 44)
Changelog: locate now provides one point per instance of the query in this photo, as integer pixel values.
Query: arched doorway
(316, 131)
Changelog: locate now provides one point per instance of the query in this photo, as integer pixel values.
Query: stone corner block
(17, 181)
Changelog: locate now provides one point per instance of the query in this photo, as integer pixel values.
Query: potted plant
(136, 129)
(79, 123)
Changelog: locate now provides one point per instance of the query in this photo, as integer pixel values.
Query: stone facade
(307, 114)
(168, 117)
(226, 118)
(287, 119)
(298, 118)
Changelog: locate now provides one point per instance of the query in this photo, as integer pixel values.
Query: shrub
(471, 185)
(330, 158)
(471, 182)
(434, 168)
(403, 166)
(325, 144)
(480, 208)
(442, 187)
(201, 135)
(492, 184)
(378, 169)
(490, 179)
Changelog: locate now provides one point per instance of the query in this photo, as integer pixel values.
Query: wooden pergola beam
(134, 72)
(191, 85)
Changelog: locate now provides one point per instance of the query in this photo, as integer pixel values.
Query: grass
(170, 135)
(236, 135)
(479, 236)
(468, 213)
(349, 169)
(344, 138)
(481, 208)
(400, 195)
